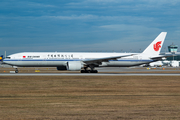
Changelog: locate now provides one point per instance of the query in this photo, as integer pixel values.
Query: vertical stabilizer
(1, 58)
(155, 47)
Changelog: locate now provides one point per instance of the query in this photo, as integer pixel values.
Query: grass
(89, 97)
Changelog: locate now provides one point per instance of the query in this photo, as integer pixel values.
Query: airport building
(175, 59)
(173, 49)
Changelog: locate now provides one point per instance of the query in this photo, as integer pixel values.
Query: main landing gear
(89, 71)
(16, 71)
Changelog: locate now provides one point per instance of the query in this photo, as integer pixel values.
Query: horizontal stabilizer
(162, 56)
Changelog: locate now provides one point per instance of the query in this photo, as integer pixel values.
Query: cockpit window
(8, 57)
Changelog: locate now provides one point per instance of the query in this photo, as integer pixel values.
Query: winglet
(155, 47)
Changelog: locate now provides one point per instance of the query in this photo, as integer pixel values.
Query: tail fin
(1, 57)
(155, 47)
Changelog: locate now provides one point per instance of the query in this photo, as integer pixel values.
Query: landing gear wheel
(93, 71)
(89, 71)
(82, 71)
(16, 71)
(85, 71)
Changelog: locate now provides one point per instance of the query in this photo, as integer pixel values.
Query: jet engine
(61, 68)
(74, 65)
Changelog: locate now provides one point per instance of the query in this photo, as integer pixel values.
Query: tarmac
(79, 74)
(105, 71)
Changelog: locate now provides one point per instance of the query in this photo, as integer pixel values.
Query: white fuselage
(55, 59)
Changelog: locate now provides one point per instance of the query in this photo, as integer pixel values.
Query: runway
(112, 71)
(88, 74)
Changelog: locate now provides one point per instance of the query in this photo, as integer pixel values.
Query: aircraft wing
(100, 60)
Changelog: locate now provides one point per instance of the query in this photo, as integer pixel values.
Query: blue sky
(86, 25)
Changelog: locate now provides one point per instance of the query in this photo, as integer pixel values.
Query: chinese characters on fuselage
(60, 55)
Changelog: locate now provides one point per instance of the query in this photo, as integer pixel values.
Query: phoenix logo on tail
(157, 46)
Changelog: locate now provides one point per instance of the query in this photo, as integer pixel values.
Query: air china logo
(157, 46)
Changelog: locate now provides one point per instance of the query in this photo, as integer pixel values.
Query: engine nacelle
(61, 68)
(74, 65)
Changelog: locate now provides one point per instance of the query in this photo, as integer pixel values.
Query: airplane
(82, 61)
